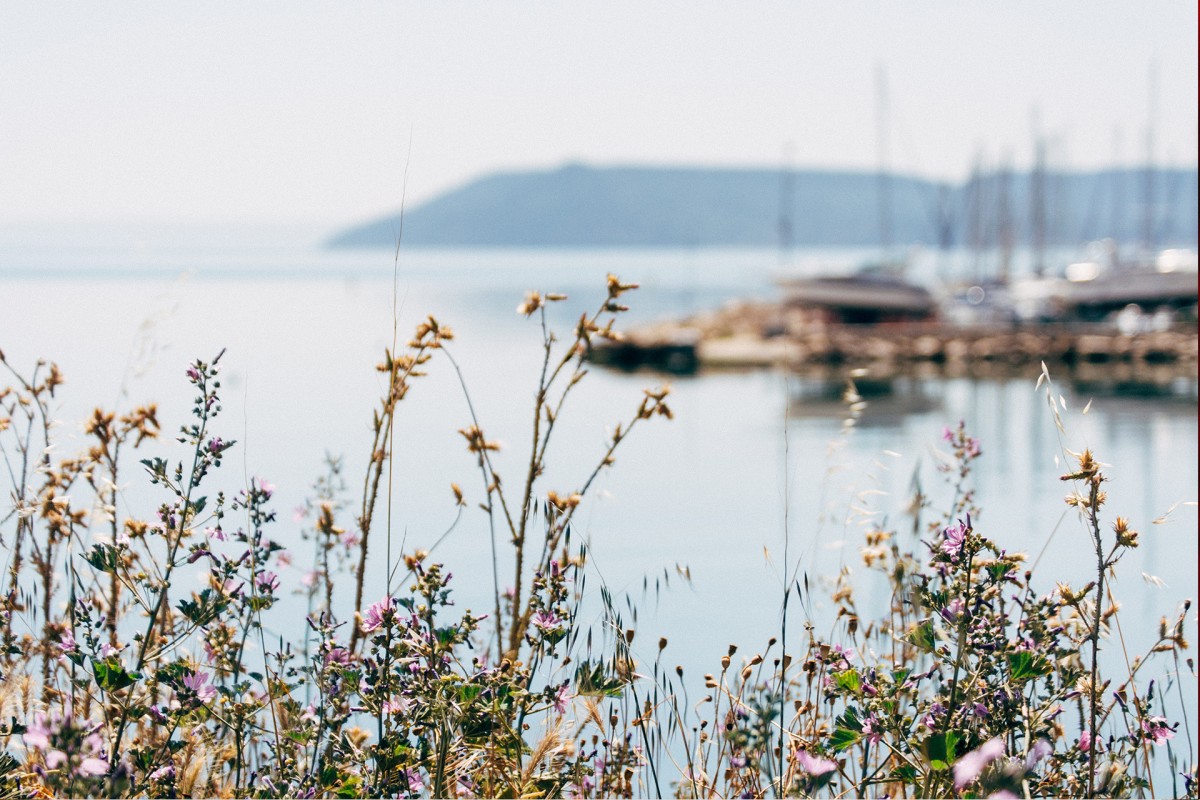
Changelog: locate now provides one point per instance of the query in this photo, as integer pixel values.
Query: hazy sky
(304, 111)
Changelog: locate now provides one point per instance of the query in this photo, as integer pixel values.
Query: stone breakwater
(762, 334)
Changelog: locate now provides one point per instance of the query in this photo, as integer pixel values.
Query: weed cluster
(119, 682)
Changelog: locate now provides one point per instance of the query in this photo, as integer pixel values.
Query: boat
(873, 294)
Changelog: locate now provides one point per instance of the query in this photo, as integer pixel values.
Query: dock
(773, 335)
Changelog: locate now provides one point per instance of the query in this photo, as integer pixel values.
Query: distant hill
(583, 206)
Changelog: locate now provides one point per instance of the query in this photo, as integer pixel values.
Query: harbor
(1133, 322)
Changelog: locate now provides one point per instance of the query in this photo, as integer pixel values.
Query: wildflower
(216, 445)
(401, 705)
(92, 766)
(164, 773)
(193, 374)
(1157, 730)
(413, 778)
(1041, 748)
(216, 533)
(814, 765)
(954, 538)
(107, 650)
(1085, 742)
(377, 614)
(546, 621)
(67, 644)
(267, 581)
(309, 579)
(562, 699)
(972, 447)
(953, 610)
(872, 729)
(936, 711)
(197, 683)
(264, 486)
(967, 768)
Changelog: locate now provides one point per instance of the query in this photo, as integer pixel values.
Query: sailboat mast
(1148, 176)
(1037, 200)
(885, 188)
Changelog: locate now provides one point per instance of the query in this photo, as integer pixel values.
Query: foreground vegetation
(119, 679)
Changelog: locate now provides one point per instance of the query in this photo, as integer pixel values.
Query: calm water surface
(706, 493)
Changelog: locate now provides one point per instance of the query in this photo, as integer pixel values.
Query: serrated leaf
(923, 637)
(848, 680)
(843, 738)
(1025, 665)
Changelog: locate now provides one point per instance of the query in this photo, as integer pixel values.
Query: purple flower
(197, 683)
(401, 705)
(972, 447)
(562, 699)
(267, 581)
(1041, 748)
(953, 610)
(954, 538)
(1156, 729)
(377, 614)
(413, 779)
(337, 655)
(872, 730)
(936, 711)
(546, 621)
(164, 773)
(967, 768)
(193, 373)
(92, 766)
(216, 445)
(68, 644)
(264, 486)
(814, 765)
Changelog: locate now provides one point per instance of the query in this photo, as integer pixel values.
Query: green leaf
(103, 557)
(939, 749)
(349, 788)
(843, 738)
(111, 676)
(848, 680)
(1025, 665)
(923, 637)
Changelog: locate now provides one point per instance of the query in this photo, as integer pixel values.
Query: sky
(329, 113)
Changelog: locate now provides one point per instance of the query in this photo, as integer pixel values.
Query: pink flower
(267, 581)
(215, 533)
(814, 765)
(413, 779)
(546, 621)
(193, 373)
(401, 705)
(953, 539)
(872, 730)
(197, 682)
(377, 614)
(93, 766)
(967, 768)
(1156, 729)
(264, 486)
(562, 699)
(68, 644)
(284, 558)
